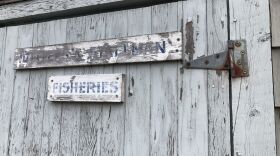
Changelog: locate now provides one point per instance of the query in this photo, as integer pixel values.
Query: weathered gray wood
(52, 112)
(70, 118)
(19, 114)
(5, 108)
(277, 128)
(275, 22)
(36, 96)
(113, 116)
(137, 109)
(42, 9)
(164, 110)
(87, 88)
(2, 2)
(145, 48)
(218, 100)
(276, 75)
(91, 114)
(252, 97)
(192, 89)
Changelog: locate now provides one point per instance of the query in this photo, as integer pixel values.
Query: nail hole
(177, 50)
(217, 56)
(178, 39)
(51, 80)
(117, 78)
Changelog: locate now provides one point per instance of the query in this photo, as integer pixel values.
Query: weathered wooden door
(168, 111)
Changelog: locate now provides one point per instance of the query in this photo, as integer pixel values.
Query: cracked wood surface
(168, 110)
(252, 97)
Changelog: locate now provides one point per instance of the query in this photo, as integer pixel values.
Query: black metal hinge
(234, 59)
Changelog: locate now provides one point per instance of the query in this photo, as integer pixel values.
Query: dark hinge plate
(234, 59)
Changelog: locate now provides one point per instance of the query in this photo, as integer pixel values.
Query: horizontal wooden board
(87, 88)
(41, 10)
(146, 48)
(2, 2)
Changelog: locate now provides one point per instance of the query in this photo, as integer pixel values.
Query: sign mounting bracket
(234, 59)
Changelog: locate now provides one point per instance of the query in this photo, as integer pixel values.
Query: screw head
(244, 71)
(242, 52)
(237, 44)
(238, 62)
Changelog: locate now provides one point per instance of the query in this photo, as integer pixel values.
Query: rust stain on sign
(87, 88)
(146, 48)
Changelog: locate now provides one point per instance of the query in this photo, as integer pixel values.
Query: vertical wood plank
(19, 116)
(5, 108)
(91, 113)
(163, 132)
(218, 82)
(277, 128)
(276, 75)
(52, 111)
(112, 136)
(137, 109)
(192, 90)
(275, 22)
(70, 121)
(36, 97)
(252, 97)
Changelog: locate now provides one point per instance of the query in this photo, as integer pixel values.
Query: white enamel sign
(87, 88)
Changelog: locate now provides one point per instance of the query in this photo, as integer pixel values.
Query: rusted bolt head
(242, 52)
(238, 62)
(237, 44)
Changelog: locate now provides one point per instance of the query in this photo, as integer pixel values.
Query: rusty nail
(237, 44)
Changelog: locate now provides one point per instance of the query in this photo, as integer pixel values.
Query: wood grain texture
(218, 82)
(5, 109)
(252, 97)
(70, 119)
(113, 116)
(164, 110)
(275, 22)
(41, 9)
(137, 109)
(3, 2)
(277, 128)
(192, 90)
(276, 75)
(91, 114)
(52, 113)
(19, 116)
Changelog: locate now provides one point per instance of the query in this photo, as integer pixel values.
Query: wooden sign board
(87, 88)
(147, 48)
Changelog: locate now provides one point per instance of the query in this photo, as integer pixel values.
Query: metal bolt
(238, 62)
(237, 44)
(244, 71)
(242, 52)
